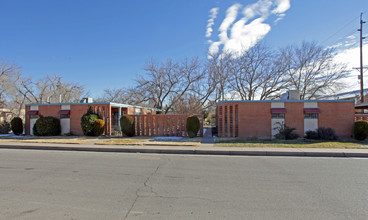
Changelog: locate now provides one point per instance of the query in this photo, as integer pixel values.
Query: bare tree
(311, 70)
(164, 84)
(275, 80)
(250, 71)
(113, 95)
(48, 89)
(8, 75)
(187, 104)
(219, 72)
(256, 73)
(130, 96)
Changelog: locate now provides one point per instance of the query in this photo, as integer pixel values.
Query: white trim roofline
(113, 104)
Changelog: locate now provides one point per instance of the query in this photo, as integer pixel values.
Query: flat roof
(286, 101)
(361, 105)
(97, 103)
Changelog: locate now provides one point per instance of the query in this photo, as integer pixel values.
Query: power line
(349, 34)
(343, 27)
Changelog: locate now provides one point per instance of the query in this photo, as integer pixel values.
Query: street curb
(190, 151)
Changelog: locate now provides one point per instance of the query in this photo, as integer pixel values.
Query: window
(64, 113)
(138, 111)
(311, 115)
(278, 115)
(64, 116)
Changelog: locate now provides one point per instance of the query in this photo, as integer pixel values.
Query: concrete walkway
(204, 149)
(207, 136)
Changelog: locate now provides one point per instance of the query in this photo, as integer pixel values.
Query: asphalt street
(38, 184)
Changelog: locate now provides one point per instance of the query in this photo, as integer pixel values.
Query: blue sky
(105, 44)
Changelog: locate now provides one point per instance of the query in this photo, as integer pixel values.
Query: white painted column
(65, 122)
(32, 121)
(119, 116)
(274, 121)
(310, 124)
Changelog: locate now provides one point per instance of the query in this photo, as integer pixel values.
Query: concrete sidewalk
(204, 149)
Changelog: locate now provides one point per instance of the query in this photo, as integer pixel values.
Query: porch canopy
(311, 110)
(278, 110)
(32, 112)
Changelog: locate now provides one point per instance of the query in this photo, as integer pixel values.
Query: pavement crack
(190, 197)
(145, 185)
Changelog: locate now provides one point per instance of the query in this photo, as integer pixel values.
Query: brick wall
(339, 116)
(294, 117)
(244, 119)
(49, 110)
(131, 111)
(77, 111)
(254, 118)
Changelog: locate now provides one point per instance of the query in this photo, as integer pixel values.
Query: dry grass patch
(124, 141)
(51, 139)
(149, 141)
(292, 144)
(168, 143)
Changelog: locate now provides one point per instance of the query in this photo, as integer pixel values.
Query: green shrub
(4, 127)
(47, 126)
(326, 133)
(285, 132)
(35, 133)
(311, 135)
(360, 130)
(321, 134)
(193, 126)
(88, 122)
(99, 127)
(127, 125)
(17, 125)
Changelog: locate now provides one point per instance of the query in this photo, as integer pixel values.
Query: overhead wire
(342, 28)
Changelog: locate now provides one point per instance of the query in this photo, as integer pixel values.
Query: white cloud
(211, 21)
(351, 37)
(236, 36)
(231, 15)
(244, 36)
(279, 18)
(282, 6)
(335, 46)
(351, 57)
(214, 48)
(260, 8)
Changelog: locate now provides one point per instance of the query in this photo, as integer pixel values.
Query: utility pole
(361, 58)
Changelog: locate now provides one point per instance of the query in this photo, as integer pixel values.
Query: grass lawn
(49, 139)
(300, 143)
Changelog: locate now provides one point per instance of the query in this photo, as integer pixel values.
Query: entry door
(32, 122)
(65, 125)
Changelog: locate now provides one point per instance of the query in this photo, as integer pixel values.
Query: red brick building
(257, 119)
(70, 115)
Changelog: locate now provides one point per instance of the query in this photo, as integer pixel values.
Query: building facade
(259, 119)
(70, 115)
(6, 115)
